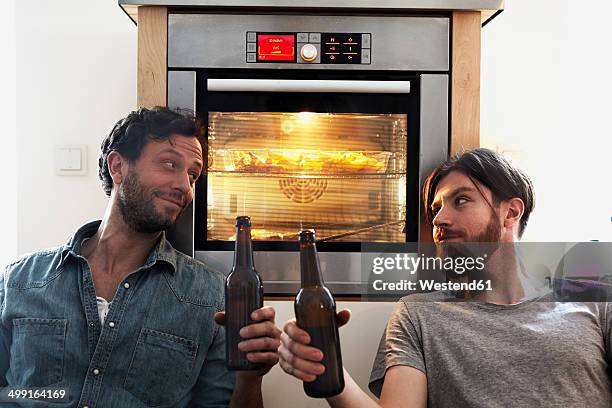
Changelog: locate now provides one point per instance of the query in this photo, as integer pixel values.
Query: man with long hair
(502, 348)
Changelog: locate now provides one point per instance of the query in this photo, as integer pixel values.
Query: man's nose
(183, 184)
(442, 218)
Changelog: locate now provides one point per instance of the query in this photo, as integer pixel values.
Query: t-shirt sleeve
(400, 345)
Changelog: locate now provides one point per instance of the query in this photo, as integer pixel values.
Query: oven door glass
(343, 164)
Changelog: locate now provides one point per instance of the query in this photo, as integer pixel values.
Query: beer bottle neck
(309, 265)
(243, 252)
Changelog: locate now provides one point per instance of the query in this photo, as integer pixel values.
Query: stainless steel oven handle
(307, 85)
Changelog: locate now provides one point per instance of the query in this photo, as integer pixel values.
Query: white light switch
(70, 160)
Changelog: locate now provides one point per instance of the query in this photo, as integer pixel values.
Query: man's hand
(296, 357)
(261, 340)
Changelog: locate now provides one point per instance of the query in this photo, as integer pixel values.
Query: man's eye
(461, 200)
(435, 210)
(169, 164)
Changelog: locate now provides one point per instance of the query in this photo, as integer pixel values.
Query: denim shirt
(159, 345)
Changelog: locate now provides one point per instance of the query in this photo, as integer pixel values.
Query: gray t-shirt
(475, 354)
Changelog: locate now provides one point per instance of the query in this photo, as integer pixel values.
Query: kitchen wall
(545, 102)
(76, 75)
(545, 88)
(8, 164)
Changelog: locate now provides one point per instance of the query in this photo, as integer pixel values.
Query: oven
(326, 122)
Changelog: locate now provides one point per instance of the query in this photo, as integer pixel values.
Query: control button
(251, 57)
(96, 371)
(365, 40)
(111, 324)
(251, 47)
(251, 36)
(302, 37)
(365, 56)
(308, 52)
(126, 285)
(314, 37)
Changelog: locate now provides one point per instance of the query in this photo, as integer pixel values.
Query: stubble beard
(138, 209)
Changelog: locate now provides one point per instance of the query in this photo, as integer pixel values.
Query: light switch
(70, 160)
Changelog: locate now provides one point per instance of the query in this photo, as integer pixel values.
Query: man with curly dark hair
(117, 317)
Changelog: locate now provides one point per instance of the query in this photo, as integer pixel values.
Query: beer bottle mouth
(307, 235)
(243, 221)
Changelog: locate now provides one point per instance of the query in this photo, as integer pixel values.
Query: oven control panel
(308, 48)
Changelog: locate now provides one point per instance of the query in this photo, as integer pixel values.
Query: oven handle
(306, 85)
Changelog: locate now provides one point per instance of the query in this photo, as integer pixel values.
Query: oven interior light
(300, 120)
(306, 118)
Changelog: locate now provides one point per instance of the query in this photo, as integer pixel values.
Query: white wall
(8, 164)
(76, 75)
(545, 101)
(76, 69)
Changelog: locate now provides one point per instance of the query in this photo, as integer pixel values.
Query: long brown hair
(493, 171)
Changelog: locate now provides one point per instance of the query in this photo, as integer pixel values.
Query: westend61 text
(429, 285)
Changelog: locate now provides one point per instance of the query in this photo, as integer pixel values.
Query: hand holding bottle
(299, 359)
(260, 340)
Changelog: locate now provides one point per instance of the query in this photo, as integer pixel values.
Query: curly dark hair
(493, 171)
(131, 134)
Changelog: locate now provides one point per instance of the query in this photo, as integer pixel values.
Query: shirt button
(126, 285)
(96, 371)
(111, 324)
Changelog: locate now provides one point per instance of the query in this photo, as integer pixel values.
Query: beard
(137, 207)
(481, 245)
(492, 232)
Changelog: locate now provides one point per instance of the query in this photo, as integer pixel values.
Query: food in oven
(261, 234)
(304, 161)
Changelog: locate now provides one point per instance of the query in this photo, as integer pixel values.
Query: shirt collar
(162, 251)
(73, 246)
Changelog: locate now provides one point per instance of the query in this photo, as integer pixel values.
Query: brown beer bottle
(243, 294)
(315, 312)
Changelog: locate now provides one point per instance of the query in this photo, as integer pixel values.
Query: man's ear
(117, 167)
(514, 212)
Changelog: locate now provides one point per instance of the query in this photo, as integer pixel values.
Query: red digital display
(275, 47)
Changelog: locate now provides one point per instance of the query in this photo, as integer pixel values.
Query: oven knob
(308, 52)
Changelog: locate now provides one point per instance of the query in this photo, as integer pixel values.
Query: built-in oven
(324, 122)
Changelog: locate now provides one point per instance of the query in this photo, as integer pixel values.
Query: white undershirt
(103, 306)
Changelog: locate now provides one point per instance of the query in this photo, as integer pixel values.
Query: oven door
(325, 150)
